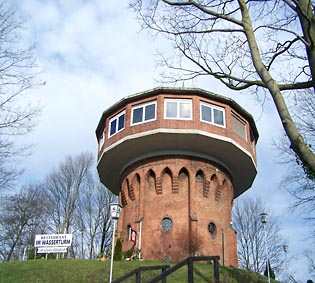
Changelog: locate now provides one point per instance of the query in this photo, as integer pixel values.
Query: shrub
(118, 250)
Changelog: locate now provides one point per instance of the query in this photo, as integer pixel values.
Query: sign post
(52, 243)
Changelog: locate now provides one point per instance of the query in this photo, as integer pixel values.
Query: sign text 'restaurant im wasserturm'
(60, 240)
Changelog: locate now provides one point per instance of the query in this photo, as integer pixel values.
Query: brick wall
(192, 193)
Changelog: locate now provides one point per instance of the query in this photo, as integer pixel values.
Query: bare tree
(17, 75)
(64, 186)
(79, 204)
(251, 237)
(310, 256)
(299, 181)
(93, 218)
(264, 46)
(106, 228)
(20, 214)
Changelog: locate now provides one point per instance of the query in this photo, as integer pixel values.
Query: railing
(138, 271)
(190, 264)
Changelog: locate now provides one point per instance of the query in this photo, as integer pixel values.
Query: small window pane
(239, 127)
(149, 112)
(167, 224)
(206, 113)
(117, 124)
(121, 122)
(212, 228)
(218, 117)
(113, 127)
(185, 110)
(212, 114)
(171, 109)
(137, 115)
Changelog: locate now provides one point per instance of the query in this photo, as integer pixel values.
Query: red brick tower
(177, 157)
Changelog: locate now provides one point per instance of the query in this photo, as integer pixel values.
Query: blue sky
(92, 54)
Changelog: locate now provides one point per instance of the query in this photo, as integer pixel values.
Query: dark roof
(179, 91)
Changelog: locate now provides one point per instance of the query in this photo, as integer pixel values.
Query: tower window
(239, 126)
(117, 123)
(212, 114)
(212, 228)
(101, 140)
(143, 113)
(167, 224)
(178, 109)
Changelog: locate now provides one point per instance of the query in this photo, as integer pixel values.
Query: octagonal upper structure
(177, 121)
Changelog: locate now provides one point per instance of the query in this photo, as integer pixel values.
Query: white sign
(48, 250)
(53, 240)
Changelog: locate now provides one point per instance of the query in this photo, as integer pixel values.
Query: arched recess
(199, 182)
(151, 181)
(183, 180)
(224, 186)
(123, 195)
(224, 191)
(227, 191)
(226, 200)
(136, 185)
(131, 193)
(215, 186)
(166, 181)
(200, 176)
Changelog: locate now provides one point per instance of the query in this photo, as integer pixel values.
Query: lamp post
(263, 218)
(115, 210)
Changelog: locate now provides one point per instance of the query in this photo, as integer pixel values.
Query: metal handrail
(138, 271)
(189, 261)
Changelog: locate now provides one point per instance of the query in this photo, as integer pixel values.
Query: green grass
(93, 271)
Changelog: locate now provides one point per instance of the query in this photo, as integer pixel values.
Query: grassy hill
(93, 271)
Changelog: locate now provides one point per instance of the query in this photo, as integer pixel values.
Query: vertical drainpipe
(223, 248)
(189, 213)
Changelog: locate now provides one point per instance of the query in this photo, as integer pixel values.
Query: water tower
(177, 158)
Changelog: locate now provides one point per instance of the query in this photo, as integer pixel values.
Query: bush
(118, 250)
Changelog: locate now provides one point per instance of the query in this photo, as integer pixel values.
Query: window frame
(166, 224)
(143, 106)
(178, 102)
(116, 117)
(213, 107)
(241, 121)
(101, 139)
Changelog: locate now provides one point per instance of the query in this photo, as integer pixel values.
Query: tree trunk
(306, 17)
(91, 247)
(297, 142)
(14, 245)
(103, 238)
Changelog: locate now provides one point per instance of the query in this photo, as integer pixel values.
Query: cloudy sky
(92, 54)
